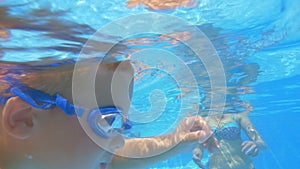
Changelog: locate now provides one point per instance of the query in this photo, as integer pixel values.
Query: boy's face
(50, 139)
(56, 141)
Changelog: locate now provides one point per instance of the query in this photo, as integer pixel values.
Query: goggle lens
(107, 122)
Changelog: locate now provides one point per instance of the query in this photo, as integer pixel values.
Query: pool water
(257, 42)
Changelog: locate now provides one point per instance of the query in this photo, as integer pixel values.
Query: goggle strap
(29, 100)
(68, 108)
(47, 100)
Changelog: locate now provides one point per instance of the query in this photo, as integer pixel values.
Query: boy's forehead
(110, 85)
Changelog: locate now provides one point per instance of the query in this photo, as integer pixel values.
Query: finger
(211, 144)
(255, 152)
(203, 136)
(245, 145)
(216, 142)
(196, 126)
(193, 136)
(251, 149)
(192, 124)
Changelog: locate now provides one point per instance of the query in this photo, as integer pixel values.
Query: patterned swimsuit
(230, 131)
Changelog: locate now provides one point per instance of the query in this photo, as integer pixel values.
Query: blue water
(258, 43)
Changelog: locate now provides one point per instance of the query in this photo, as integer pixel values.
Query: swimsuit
(229, 131)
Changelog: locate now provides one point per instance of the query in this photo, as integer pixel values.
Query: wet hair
(51, 78)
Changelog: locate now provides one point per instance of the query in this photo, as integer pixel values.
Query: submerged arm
(251, 131)
(144, 152)
(256, 143)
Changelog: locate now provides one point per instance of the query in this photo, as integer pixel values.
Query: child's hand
(195, 129)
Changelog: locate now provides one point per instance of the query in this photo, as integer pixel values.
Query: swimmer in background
(233, 152)
(163, 5)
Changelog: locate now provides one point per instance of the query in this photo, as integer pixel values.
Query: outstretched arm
(143, 152)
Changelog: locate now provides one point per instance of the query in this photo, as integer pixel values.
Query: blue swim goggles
(104, 121)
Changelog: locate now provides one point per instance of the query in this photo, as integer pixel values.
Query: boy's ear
(17, 118)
